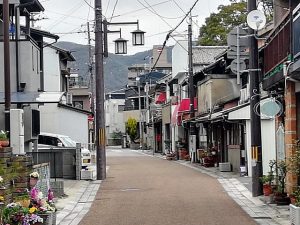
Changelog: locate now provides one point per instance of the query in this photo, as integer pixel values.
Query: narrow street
(144, 190)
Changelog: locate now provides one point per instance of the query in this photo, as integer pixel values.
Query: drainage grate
(262, 217)
(131, 189)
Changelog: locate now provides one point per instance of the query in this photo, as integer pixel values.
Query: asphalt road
(143, 190)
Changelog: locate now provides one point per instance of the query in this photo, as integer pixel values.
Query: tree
(218, 25)
(131, 129)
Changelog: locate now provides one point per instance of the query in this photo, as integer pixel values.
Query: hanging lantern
(138, 37)
(120, 46)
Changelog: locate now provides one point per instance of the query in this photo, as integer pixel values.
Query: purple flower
(50, 195)
(34, 193)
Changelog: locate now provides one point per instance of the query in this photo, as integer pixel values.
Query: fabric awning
(175, 115)
(184, 105)
(161, 99)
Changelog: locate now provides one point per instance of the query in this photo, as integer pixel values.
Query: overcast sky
(64, 16)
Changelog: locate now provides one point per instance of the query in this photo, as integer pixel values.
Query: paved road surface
(142, 190)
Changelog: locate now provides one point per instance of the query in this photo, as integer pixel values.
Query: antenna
(256, 20)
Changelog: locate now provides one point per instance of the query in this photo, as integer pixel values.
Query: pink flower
(34, 193)
(50, 195)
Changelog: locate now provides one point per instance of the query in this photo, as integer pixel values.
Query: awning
(161, 99)
(184, 105)
(175, 115)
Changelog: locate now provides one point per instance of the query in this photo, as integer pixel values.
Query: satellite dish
(256, 20)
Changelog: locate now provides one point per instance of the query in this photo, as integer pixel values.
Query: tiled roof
(206, 55)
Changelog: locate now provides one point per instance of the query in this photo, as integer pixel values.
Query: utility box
(32, 123)
(17, 131)
(225, 167)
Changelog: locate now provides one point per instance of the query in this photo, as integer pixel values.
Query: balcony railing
(276, 53)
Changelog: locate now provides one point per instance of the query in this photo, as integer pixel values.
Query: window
(78, 104)
(46, 140)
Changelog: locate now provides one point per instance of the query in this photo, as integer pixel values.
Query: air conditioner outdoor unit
(69, 99)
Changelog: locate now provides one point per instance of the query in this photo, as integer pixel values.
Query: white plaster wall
(29, 71)
(51, 70)
(179, 57)
(59, 120)
(114, 119)
(268, 144)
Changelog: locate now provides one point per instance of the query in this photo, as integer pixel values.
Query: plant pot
(25, 202)
(294, 215)
(4, 143)
(267, 189)
(282, 199)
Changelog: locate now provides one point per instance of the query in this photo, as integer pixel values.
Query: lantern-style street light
(120, 46)
(138, 37)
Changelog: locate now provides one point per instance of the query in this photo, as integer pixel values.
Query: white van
(58, 140)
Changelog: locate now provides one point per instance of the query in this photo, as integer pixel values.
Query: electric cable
(169, 34)
(184, 12)
(113, 12)
(89, 4)
(73, 10)
(107, 7)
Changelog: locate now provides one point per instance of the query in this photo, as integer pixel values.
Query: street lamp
(138, 36)
(120, 46)
(120, 43)
(140, 114)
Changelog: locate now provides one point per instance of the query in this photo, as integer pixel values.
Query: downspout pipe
(7, 88)
(17, 47)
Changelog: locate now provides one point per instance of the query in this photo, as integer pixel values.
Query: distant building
(114, 118)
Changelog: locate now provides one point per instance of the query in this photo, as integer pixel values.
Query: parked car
(61, 141)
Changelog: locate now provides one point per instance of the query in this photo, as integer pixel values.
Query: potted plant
(4, 141)
(15, 214)
(266, 180)
(281, 197)
(294, 168)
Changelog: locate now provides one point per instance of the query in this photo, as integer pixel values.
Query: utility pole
(140, 113)
(100, 113)
(192, 133)
(7, 90)
(256, 148)
(92, 80)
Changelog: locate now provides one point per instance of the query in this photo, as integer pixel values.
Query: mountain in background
(115, 66)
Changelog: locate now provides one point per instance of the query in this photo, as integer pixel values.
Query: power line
(107, 7)
(169, 34)
(89, 4)
(73, 10)
(184, 12)
(75, 17)
(141, 9)
(151, 9)
(113, 12)
(88, 15)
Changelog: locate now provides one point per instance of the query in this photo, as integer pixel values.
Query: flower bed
(30, 208)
